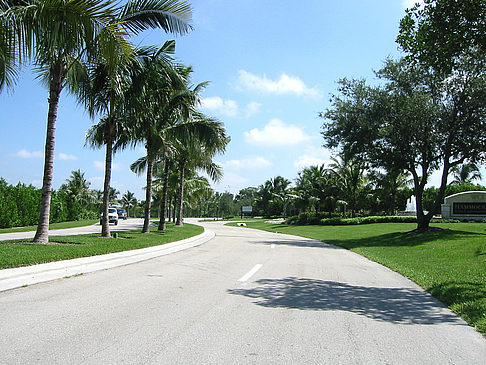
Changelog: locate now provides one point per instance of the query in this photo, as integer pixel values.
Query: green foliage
(310, 218)
(442, 32)
(19, 205)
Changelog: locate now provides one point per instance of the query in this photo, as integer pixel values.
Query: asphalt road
(123, 225)
(245, 297)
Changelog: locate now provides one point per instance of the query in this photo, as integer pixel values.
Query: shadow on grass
(366, 238)
(396, 305)
(404, 239)
(466, 298)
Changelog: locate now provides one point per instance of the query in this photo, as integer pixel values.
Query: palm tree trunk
(57, 75)
(105, 224)
(163, 204)
(148, 193)
(180, 202)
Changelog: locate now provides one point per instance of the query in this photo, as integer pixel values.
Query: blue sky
(272, 66)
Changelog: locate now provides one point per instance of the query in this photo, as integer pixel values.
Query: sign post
(246, 209)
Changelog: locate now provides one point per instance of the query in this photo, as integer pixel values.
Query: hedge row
(19, 205)
(320, 219)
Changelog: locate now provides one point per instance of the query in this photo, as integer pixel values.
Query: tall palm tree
(465, 173)
(350, 178)
(282, 192)
(128, 200)
(62, 35)
(159, 100)
(206, 137)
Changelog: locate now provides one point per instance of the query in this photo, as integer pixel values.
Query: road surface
(245, 297)
(123, 225)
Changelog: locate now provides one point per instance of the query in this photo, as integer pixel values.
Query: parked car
(122, 214)
(112, 216)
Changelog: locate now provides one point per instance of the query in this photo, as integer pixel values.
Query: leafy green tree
(442, 33)
(416, 121)
(246, 197)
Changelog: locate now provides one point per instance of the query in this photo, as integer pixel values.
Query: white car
(112, 216)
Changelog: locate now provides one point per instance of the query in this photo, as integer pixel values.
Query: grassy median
(14, 254)
(449, 263)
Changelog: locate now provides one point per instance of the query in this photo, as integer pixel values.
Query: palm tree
(63, 35)
(78, 194)
(350, 178)
(159, 100)
(465, 173)
(128, 200)
(282, 193)
(206, 137)
(388, 184)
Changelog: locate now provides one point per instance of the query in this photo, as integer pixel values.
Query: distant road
(123, 225)
(245, 297)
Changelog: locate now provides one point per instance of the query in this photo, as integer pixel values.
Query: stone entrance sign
(469, 205)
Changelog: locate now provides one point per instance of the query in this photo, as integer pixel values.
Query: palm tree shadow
(396, 305)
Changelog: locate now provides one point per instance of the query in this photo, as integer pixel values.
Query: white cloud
(284, 85)
(247, 163)
(66, 157)
(231, 182)
(217, 104)
(276, 133)
(312, 156)
(252, 109)
(100, 165)
(29, 154)
(229, 108)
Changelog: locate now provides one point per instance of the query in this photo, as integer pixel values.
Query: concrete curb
(29, 275)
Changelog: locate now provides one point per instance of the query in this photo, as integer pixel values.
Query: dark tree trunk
(163, 204)
(57, 75)
(105, 222)
(148, 194)
(180, 202)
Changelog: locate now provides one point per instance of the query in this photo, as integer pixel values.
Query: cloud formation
(28, 154)
(312, 156)
(276, 133)
(284, 85)
(66, 157)
(217, 104)
(100, 165)
(229, 108)
(249, 163)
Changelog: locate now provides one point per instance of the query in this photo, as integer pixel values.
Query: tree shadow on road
(396, 305)
(296, 243)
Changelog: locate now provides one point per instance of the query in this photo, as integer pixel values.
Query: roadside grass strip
(450, 263)
(24, 253)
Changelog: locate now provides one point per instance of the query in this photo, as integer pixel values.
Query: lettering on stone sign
(469, 208)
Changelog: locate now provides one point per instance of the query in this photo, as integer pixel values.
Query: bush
(310, 218)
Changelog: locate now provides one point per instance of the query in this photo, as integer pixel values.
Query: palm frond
(171, 15)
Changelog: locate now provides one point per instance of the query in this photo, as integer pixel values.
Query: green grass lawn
(450, 264)
(62, 225)
(69, 247)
